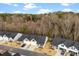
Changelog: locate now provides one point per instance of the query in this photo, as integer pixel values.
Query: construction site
(19, 44)
(42, 47)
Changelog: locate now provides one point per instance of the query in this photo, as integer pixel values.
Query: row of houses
(30, 42)
(66, 45)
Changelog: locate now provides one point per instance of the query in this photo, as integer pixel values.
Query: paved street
(21, 51)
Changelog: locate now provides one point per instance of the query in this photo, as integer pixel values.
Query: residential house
(74, 50)
(64, 47)
(17, 36)
(31, 41)
(5, 38)
(34, 40)
(1, 38)
(56, 42)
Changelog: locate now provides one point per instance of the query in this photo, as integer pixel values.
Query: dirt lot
(46, 50)
(15, 44)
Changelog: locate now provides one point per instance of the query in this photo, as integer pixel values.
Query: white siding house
(62, 46)
(1, 38)
(68, 46)
(30, 45)
(73, 50)
(57, 42)
(5, 38)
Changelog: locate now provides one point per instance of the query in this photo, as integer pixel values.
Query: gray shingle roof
(68, 43)
(1, 33)
(9, 34)
(22, 38)
(57, 41)
(76, 44)
(40, 39)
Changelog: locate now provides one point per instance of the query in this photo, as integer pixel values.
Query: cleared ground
(15, 44)
(46, 50)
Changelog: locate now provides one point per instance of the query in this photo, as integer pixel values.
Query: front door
(72, 53)
(62, 51)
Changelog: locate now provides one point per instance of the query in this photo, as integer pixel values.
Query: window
(23, 45)
(72, 53)
(26, 39)
(62, 51)
(73, 48)
(62, 45)
(33, 40)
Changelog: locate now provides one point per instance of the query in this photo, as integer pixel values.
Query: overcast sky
(37, 8)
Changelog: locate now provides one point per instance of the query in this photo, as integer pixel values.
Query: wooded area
(57, 24)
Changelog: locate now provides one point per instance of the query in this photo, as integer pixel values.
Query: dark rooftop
(11, 34)
(1, 33)
(8, 34)
(68, 43)
(40, 39)
(57, 41)
(76, 44)
(22, 37)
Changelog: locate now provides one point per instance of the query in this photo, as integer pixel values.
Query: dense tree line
(57, 24)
